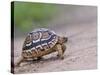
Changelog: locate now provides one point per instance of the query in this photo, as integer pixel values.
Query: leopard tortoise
(41, 42)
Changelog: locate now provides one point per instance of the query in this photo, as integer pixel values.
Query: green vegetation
(29, 15)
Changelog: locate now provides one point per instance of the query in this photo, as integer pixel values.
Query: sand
(81, 53)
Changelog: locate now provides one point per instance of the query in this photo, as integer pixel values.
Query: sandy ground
(81, 52)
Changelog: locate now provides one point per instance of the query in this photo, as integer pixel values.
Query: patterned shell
(40, 39)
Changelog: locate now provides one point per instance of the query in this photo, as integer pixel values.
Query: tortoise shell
(40, 39)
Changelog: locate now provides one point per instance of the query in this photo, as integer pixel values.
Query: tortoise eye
(35, 36)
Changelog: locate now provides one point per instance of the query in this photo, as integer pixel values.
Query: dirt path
(80, 53)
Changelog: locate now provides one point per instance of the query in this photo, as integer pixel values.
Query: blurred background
(28, 16)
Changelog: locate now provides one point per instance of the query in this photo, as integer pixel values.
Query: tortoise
(41, 42)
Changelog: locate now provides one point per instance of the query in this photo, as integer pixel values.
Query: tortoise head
(62, 40)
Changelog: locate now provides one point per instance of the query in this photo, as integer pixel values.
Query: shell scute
(40, 39)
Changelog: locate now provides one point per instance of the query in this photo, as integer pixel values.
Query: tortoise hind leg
(19, 62)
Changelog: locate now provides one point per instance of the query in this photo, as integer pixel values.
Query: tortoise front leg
(60, 51)
(63, 48)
